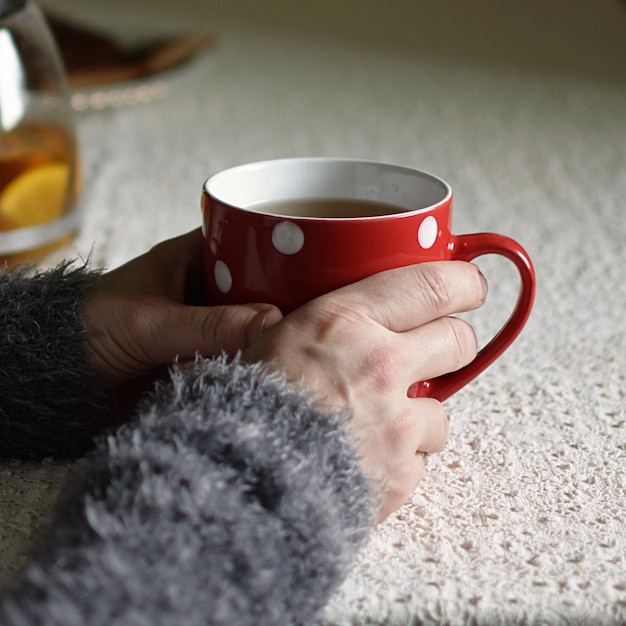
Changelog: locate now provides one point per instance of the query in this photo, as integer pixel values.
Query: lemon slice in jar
(35, 197)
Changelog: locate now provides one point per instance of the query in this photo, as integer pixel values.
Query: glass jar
(39, 167)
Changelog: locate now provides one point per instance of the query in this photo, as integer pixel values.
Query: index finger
(407, 297)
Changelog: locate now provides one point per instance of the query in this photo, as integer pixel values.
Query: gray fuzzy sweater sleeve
(48, 403)
(229, 500)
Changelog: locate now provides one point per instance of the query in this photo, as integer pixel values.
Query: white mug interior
(256, 184)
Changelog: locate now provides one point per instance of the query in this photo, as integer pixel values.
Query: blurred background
(452, 87)
(578, 36)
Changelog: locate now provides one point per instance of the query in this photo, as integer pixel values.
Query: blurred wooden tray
(93, 58)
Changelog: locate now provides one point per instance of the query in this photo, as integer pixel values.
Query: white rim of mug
(213, 180)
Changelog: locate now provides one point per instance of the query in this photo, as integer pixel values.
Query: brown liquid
(36, 156)
(326, 207)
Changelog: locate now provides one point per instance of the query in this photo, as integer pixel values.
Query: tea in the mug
(38, 181)
(326, 207)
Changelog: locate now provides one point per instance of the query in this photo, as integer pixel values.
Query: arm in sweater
(48, 401)
(229, 500)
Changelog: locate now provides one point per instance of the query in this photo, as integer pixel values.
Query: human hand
(149, 312)
(361, 347)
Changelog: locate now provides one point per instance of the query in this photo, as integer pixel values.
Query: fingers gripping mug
(289, 230)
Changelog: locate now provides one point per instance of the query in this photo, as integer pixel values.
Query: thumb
(184, 330)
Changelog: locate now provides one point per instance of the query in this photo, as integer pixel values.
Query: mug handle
(467, 248)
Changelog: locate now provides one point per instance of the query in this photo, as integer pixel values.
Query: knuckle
(330, 318)
(398, 429)
(334, 313)
(383, 364)
(462, 340)
(435, 287)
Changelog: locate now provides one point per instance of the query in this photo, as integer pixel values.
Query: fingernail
(260, 323)
(485, 285)
(255, 327)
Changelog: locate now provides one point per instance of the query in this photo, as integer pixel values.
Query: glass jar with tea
(39, 172)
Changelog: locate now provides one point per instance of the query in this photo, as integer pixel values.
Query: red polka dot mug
(288, 230)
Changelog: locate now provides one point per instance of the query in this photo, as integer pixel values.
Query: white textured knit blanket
(522, 519)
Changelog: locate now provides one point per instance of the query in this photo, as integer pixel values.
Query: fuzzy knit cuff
(229, 500)
(47, 400)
